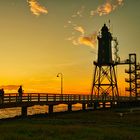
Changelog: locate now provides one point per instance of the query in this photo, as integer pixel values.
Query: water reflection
(12, 112)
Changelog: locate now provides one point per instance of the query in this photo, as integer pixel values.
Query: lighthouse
(104, 79)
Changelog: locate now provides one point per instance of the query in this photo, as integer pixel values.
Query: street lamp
(61, 75)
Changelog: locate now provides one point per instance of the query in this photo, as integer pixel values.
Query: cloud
(80, 29)
(79, 13)
(103, 9)
(106, 8)
(120, 2)
(88, 40)
(36, 8)
(82, 39)
(10, 87)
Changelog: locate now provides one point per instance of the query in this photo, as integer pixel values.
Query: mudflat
(80, 125)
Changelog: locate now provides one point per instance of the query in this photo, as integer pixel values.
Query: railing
(36, 98)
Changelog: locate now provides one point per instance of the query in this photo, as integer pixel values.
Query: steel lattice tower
(104, 80)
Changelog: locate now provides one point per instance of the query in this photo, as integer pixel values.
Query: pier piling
(24, 111)
(50, 109)
(69, 107)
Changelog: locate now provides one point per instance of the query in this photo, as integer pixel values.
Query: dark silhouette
(105, 73)
(2, 95)
(105, 95)
(20, 92)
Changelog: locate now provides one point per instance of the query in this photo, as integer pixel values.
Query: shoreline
(85, 125)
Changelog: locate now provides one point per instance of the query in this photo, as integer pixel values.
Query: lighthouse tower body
(104, 46)
(104, 80)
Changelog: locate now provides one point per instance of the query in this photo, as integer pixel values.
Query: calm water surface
(12, 112)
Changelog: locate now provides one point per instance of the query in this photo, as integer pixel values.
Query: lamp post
(61, 75)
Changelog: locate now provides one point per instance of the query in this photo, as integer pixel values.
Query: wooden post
(112, 104)
(90, 104)
(28, 98)
(50, 109)
(88, 97)
(79, 97)
(69, 107)
(54, 97)
(24, 111)
(47, 97)
(61, 97)
(9, 99)
(83, 97)
(38, 97)
(83, 106)
(74, 97)
(95, 105)
(17, 98)
(104, 104)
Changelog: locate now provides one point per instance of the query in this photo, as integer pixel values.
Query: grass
(88, 125)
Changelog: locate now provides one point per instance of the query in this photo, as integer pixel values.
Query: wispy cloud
(79, 12)
(80, 29)
(79, 34)
(120, 2)
(106, 8)
(82, 38)
(90, 40)
(36, 8)
(10, 87)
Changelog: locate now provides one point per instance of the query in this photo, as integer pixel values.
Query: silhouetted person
(20, 92)
(2, 95)
(2, 91)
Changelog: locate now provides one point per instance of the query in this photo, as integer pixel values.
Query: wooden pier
(27, 100)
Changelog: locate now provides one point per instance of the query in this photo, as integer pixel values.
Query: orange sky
(39, 39)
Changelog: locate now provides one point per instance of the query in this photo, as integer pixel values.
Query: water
(12, 112)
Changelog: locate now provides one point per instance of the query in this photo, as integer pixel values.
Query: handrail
(37, 98)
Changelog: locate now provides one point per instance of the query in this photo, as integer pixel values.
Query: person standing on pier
(2, 95)
(20, 92)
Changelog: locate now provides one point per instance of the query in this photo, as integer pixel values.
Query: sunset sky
(40, 38)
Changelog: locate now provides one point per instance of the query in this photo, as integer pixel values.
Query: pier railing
(45, 97)
(30, 99)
